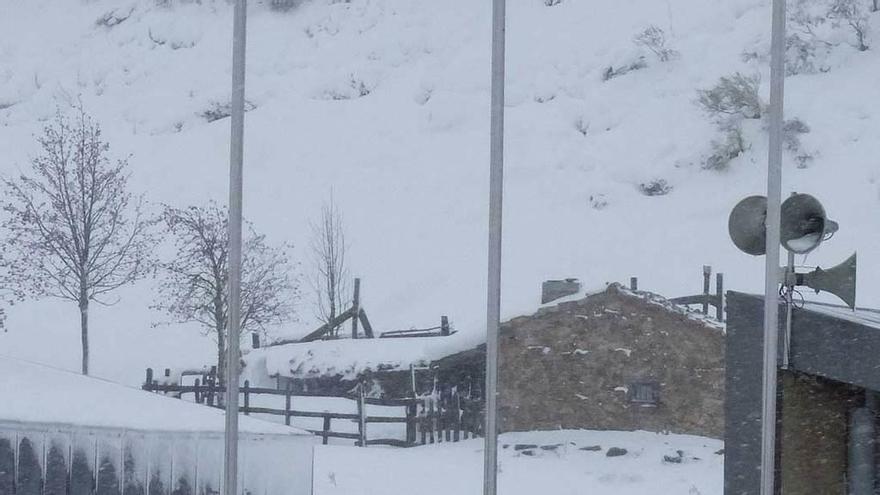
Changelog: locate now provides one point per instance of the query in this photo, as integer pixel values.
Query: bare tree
(193, 287)
(73, 230)
(330, 279)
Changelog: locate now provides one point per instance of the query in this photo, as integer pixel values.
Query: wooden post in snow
(362, 412)
(287, 405)
(356, 308)
(707, 275)
(719, 291)
(247, 397)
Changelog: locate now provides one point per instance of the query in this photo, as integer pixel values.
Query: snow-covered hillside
(385, 102)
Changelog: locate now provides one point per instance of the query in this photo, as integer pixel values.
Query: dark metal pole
(236, 159)
(771, 276)
(493, 306)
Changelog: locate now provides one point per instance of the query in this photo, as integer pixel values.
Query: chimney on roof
(552, 290)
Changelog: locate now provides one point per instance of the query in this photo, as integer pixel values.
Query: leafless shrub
(611, 72)
(655, 187)
(582, 126)
(283, 5)
(114, 17)
(791, 134)
(355, 87)
(814, 22)
(850, 12)
(802, 55)
(735, 95)
(654, 39)
(174, 45)
(598, 201)
(726, 149)
(217, 111)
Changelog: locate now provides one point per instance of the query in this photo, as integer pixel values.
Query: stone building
(614, 360)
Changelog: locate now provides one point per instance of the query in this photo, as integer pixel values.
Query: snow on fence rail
(50, 459)
(434, 418)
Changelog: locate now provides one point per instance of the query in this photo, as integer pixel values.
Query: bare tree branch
(330, 278)
(193, 286)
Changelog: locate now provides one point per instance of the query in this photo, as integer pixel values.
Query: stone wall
(814, 434)
(571, 366)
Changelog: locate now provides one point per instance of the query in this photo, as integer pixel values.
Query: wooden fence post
(196, 391)
(444, 325)
(362, 413)
(287, 405)
(707, 275)
(456, 433)
(719, 290)
(633, 283)
(247, 398)
(411, 411)
(431, 419)
(356, 308)
(326, 429)
(423, 422)
(149, 381)
(213, 378)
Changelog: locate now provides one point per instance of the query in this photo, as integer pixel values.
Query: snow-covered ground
(560, 462)
(385, 102)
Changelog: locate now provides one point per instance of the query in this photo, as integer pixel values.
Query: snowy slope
(563, 468)
(408, 161)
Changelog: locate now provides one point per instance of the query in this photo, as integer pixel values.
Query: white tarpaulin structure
(62, 429)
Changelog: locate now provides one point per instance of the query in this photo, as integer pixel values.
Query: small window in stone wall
(645, 394)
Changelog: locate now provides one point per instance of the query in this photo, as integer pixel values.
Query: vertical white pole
(236, 158)
(493, 306)
(771, 287)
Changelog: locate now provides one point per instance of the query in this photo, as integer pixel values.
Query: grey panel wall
(743, 382)
(826, 346)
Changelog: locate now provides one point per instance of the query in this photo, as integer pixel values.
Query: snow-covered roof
(35, 393)
(863, 316)
(349, 358)
(647, 296)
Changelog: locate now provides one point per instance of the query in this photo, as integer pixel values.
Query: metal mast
(493, 309)
(772, 279)
(236, 158)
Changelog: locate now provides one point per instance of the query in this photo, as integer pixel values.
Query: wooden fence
(441, 417)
